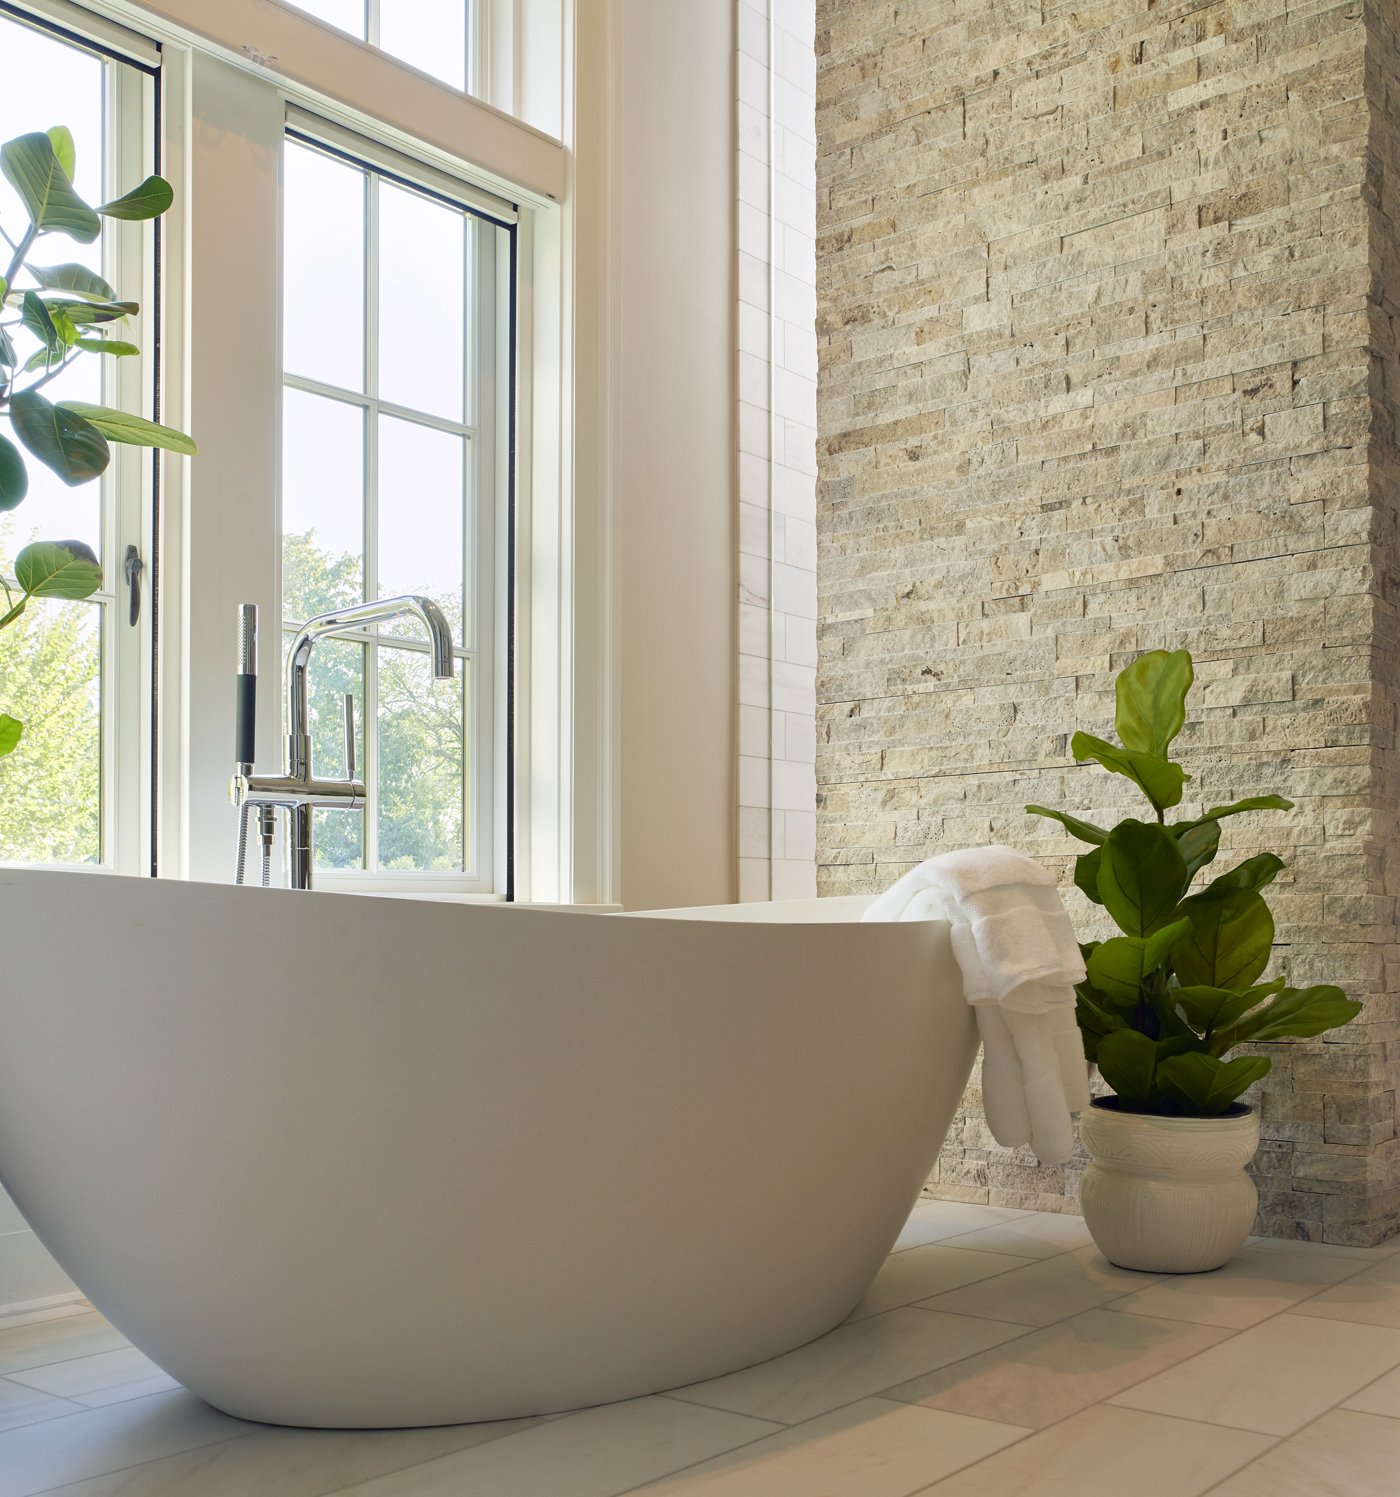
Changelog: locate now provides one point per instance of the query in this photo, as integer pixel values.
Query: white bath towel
(1019, 961)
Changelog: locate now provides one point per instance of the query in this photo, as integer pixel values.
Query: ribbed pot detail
(1168, 1195)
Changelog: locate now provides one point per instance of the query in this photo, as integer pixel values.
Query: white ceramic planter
(1168, 1195)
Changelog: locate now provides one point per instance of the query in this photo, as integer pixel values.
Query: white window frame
(128, 495)
(232, 66)
(487, 499)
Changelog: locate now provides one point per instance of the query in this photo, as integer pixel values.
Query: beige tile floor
(996, 1355)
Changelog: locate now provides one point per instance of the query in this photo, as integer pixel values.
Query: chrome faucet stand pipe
(298, 790)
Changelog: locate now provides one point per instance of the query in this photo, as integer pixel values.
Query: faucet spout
(357, 615)
(298, 790)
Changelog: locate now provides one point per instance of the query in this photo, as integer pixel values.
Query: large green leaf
(34, 172)
(1151, 696)
(36, 317)
(1253, 873)
(113, 346)
(61, 139)
(10, 730)
(1142, 875)
(58, 569)
(1208, 1008)
(1127, 1060)
(1086, 873)
(121, 427)
(78, 280)
(1198, 844)
(149, 200)
(1205, 1086)
(85, 312)
(14, 477)
(1086, 831)
(1300, 1013)
(1158, 780)
(1230, 940)
(1117, 967)
(1250, 803)
(59, 437)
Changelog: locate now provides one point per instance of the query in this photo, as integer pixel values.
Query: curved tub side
(392, 1163)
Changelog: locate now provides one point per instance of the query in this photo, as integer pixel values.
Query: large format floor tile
(928, 1270)
(873, 1448)
(932, 1221)
(273, 1462)
(21, 1405)
(1043, 1291)
(852, 1362)
(36, 1457)
(1343, 1454)
(1252, 1286)
(106, 1377)
(1108, 1452)
(1039, 1236)
(597, 1453)
(1380, 1397)
(43, 1342)
(1040, 1379)
(1371, 1297)
(1273, 1378)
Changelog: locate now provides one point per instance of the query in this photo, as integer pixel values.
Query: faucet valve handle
(349, 736)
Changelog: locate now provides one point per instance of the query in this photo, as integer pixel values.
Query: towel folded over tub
(1019, 961)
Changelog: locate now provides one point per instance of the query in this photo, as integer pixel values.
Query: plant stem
(21, 250)
(15, 612)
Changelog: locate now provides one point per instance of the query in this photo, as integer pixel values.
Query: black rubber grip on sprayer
(245, 718)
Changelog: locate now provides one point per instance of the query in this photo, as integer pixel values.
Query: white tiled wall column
(777, 449)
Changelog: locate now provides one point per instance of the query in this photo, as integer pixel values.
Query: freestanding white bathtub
(363, 1162)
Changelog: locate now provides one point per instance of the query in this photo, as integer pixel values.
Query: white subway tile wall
(777, 380)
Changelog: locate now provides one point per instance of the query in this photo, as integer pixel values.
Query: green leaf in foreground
(1250, 803)
(113, 346)
(77, 280)
(1141, 876)
(34, 171)
(1297, 1013)
(1205, 1086)
(10, 730)
(61, 139)
(58, 569)
(59, 437)
(149, 200)
(1230, 941)
(1118, 966)
(1127, 1060)
(1086, 831)
(14, 477)
(121, 427)
(1198, 844)
(1158, 779)
(1151, 696)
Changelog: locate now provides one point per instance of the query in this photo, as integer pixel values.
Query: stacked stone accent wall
(1107, 325)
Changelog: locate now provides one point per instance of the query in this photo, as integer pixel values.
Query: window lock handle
(131, 570)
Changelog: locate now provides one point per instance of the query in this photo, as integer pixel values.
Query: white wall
(673, 443)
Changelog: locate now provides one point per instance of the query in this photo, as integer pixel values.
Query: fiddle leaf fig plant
(1163, 1004)
(67, 312)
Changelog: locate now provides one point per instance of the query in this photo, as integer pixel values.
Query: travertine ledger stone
(1106, 320)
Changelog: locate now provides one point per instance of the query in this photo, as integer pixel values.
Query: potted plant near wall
(1167, 1001)
(65, 311)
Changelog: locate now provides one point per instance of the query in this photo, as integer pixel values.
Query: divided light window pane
(51, 674)
(430, 35)
(375, 496)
